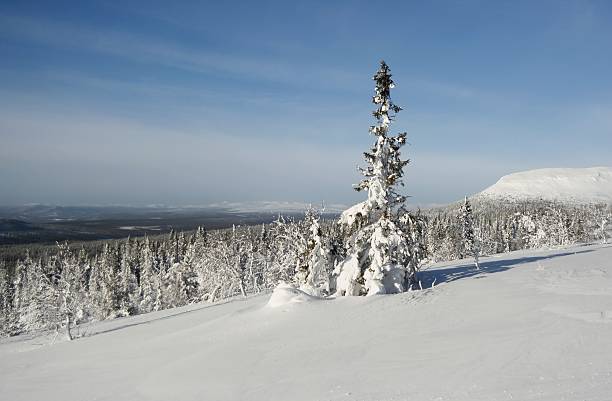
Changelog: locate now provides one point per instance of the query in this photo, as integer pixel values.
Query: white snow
(529, 325)
(347, 273)
(286, 294)
(132, 228)
(565, 184)
(350, 215)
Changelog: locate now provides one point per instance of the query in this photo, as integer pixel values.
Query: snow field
(529, 325)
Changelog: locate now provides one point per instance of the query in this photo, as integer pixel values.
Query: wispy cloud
(146, 49)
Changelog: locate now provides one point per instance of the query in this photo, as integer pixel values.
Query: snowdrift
(286, 294)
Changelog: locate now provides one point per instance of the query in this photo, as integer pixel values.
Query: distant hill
(36, 223)
(583, 185)
(14, 225)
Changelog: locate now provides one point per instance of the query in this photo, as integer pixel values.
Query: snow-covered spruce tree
(184, 281)
(128, 280)
(148, 278)
(378, 252)
(67, 283)
(603, 221)
(111, 289)
(5, 302)
(415, 226)
(314, 265)
(241, 250)
(259, 259)
(33, 297)
(94, 289)
(470, 244)
(283, 250)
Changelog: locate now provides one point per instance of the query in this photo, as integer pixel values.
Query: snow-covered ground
(527, 326)
(565, 184)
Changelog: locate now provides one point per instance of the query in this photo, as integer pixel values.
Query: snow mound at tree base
(286, 294)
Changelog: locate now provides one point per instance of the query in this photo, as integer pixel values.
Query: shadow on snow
(448, 274)
(150, 319)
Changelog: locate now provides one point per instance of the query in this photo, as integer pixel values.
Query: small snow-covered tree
(603, 223)
(148, 278)
(378, 256)
(470, 243)
(34, 296)
(282, 250)
(67, 281)
(415, 226)
(314, 264)
(5, 302)
(111, 296)
(184, 287)
(161, 290)
(128, 280)
(241, 251)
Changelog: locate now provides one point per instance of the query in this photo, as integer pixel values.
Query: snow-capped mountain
(587, 185)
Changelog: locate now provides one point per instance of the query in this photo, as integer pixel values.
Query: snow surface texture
(564, 184)
(531, 325)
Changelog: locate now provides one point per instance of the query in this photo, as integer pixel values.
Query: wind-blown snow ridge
(584, 185)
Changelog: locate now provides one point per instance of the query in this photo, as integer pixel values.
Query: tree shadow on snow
(148, 319)
(448, 274)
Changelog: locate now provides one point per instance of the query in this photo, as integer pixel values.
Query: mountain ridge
(580, 185)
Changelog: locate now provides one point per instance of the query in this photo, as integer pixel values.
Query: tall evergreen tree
(603, 222)
(470, 244)
(111, 288)
(5, 302)
(378, 257)
(128, 280)
(148, 278)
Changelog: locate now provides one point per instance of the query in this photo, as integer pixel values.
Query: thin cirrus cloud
(145, 49)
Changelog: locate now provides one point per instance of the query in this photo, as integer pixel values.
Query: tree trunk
(213, 294)
(68, 323)
(242, 290)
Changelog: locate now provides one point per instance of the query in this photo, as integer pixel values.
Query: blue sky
(200, 102)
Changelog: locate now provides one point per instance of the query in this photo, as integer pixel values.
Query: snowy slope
(564, 184)
(528, 326)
